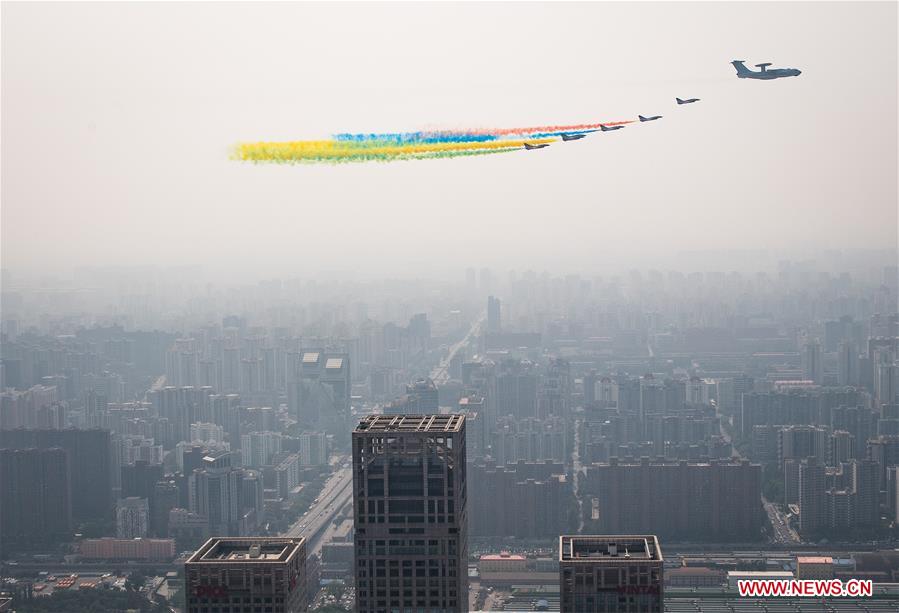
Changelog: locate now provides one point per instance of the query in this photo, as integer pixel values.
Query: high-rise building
(715, 500)
(89, 458)
(165, 498)
(811, 362)
(494, 318)
(842, 447)
(611, 574)
(132, 518)
(234, 575)
(259, 447)
(35, 496)
(800, 442)
(219, 493)
(865, 477)
(812, 510)
(847, 364)
(313, 449)
(411, 523)
(319, 388)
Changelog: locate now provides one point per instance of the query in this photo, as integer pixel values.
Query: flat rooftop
(609, 548)
(246, 549)
(411, 423)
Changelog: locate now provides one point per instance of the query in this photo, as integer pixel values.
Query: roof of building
(505, 555)
(814, 560)
(411, 423)
(246, 549)
(609, 548)
(759, 573)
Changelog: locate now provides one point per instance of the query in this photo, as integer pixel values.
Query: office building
(611, 574)
(247, 575)
(411, 516)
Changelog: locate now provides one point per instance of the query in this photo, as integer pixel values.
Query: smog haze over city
(449, 306)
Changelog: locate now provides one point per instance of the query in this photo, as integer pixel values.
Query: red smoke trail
(542, 129)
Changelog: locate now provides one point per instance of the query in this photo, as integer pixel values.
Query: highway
(440, 373)
(335, 495)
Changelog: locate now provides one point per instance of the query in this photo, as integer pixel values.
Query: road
(783, 533)
(576, 470)
(336, 494)
(440, 373)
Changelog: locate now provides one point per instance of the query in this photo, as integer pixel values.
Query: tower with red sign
(233, 575)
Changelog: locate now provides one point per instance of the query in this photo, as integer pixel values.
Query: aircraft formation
(742, 73)
(455, 143)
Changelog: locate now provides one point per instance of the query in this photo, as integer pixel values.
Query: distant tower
(494, 321)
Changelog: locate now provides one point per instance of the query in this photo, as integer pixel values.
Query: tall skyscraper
(610, 574)
(410, 506)
(234, 575)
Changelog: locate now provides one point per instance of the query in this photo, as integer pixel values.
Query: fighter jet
(529, 146)
(609, 128)
(573, 136)
(687, 101)
(764, 73)
(651, 118)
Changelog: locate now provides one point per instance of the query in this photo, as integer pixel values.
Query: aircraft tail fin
(641, 117)
(679, 101)
(741, 68)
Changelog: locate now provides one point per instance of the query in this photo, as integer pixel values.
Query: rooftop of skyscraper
(411, 423)
(247, 549)
(610, 548)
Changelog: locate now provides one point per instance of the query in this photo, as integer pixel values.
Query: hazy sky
(117, 121)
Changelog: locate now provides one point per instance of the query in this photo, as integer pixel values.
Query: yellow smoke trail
(337, 150)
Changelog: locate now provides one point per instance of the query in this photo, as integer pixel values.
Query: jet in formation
(529, 146)
(764, 73)
(573, 136)
(650, 118)
(609, 128)
(687, 101)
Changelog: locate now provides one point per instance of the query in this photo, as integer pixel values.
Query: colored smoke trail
(337, 151)
(391, 146)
